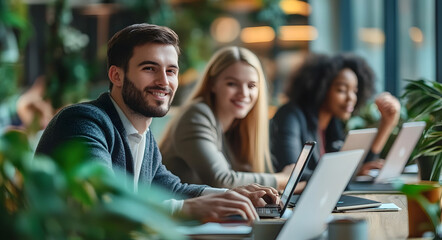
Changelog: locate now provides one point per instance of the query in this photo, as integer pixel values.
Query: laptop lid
(400, 151)
(321, 194)
(296, 174)
(360, 139)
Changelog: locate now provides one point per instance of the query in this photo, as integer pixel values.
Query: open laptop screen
(296, 173)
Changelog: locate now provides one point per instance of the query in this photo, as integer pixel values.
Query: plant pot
(425, 166)
(419, 221)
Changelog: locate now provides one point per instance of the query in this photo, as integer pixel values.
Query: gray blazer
(197, 152)
(98, 126)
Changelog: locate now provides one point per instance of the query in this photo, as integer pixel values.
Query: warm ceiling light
(416, 35)
(241, 5)
(225, 29)
(372, 35)
(257, 34)
(295, 7)
(298, 33)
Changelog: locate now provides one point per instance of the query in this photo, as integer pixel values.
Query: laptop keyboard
(268, 210)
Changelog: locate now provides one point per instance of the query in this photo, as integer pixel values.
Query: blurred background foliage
(15, 30)
(67, 71)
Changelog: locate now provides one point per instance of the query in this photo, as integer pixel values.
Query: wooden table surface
(381, 225)
(384, 225)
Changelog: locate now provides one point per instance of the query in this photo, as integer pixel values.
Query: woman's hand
(365, 169)
(389, 107)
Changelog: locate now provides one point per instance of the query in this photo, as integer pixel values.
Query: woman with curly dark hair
(324, 92)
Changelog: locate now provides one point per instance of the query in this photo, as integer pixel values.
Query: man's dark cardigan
(97, 124)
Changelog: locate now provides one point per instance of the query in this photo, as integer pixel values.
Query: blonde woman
(220, 136)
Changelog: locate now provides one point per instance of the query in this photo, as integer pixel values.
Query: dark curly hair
(309, 85)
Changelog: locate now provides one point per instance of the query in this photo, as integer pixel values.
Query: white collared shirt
(137, 143)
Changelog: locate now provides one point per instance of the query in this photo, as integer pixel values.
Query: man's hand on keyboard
(259, 195)
(216, 207)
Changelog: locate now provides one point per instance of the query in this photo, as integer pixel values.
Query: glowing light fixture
(372, 35)
(257, 34)
(416, 35)
(225, 29)
(298, 33)
(241, 5)
(295, 7)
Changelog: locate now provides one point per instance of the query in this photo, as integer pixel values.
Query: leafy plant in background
(67, 72)
(15, 31)
(73, 198)
(154, 11)
(424, 102)
(271, 13)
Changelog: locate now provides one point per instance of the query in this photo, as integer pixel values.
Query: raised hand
(389, 107)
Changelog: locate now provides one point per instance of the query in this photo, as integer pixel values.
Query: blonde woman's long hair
(248, 137)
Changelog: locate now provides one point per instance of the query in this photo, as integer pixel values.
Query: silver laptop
(321, 194)
(360, 139)
(274, 210)
(395, 161)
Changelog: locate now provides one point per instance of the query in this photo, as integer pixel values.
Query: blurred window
(358, 26)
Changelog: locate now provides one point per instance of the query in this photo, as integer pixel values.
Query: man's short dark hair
(120, 46)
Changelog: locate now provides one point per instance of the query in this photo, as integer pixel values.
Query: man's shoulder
(82, 109)
(93, 112)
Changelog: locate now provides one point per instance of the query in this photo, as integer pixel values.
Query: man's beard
(134, 99)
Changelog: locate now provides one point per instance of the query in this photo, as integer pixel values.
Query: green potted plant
(423, 100)
(424, 211)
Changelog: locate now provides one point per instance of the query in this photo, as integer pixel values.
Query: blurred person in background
(28, 110)
(322, 94)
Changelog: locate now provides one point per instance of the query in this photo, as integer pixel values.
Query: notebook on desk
(395, 161)
(345, 203)
(273, 210)
(321, 194)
